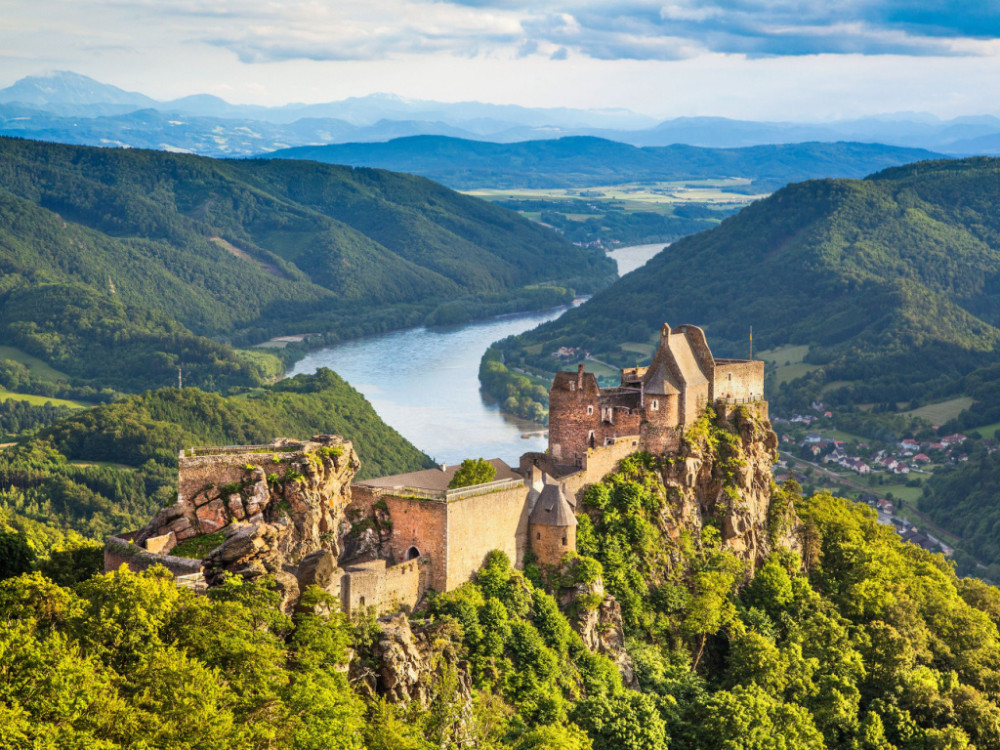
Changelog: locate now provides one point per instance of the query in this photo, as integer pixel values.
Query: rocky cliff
(722, 473)
(259, 511)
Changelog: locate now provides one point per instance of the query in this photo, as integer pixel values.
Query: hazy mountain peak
(60, 88)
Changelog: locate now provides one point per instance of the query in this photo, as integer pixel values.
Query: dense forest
(859, 641)
(891, 281)
(148, 260)
(582, 161)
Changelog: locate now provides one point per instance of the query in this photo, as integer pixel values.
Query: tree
(473, 471)
(16, 556)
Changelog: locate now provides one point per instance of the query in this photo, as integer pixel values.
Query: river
(425, 381)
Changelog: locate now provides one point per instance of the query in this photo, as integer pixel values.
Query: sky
(808, 60)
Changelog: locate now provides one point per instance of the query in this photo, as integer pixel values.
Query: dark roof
(435, 479)
(552, 508)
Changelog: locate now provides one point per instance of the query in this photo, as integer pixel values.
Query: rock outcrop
(597, 617)
(722, 470)
(276, 504)
(417, 662)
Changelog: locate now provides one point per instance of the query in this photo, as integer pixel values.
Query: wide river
(425, 381)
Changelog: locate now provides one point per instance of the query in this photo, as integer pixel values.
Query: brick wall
(477, 525)
(550, 543)
(422, 524)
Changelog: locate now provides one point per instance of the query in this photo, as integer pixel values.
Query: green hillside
(133, 257)
(111, 468)
(582, 161)
(891, 282)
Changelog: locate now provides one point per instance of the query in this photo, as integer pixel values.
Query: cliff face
(722, 471)
(275, 507)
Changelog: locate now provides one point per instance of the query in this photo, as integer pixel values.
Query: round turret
(552, 526)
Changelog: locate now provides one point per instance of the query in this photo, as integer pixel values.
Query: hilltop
(120, 265)
(890, 282)
(583, 161)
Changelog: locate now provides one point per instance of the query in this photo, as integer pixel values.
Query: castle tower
(552, 526)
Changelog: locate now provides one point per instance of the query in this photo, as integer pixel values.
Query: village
(887, 475)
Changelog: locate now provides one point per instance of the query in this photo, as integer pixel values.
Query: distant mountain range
(579, 161)
(72, 108)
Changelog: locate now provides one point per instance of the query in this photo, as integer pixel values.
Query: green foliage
(122, 265)
(16, 555)
(517, 393)
(473, 471)
(187, 670)
(197, 547)
(890, 281)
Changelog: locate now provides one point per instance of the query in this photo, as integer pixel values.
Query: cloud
(266, 31)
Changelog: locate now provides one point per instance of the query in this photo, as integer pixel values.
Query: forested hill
(890, 281)
(128, 257)
(581, 161)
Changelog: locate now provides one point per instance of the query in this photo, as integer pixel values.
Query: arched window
(590, 410)
(591, 438)
(412, 553)
(655, 405)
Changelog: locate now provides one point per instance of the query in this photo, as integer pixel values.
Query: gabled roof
(552, 508)
(659, 383)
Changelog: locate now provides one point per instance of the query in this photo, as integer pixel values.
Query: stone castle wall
(119, 550)
(482, 523)
(420, 523)
(739, 379)
(550, 543)
(386, 588)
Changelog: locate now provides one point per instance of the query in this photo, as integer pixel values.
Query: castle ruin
(294, 510)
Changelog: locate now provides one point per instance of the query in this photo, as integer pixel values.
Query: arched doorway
(412, 553)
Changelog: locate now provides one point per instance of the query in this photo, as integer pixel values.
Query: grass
(941, 412)
(986, 430)
(37, 367)
(197, 547)
(34, 400)
(634, 196)
(646, 350)
(600, 369)
(788, 361)
(901, 491)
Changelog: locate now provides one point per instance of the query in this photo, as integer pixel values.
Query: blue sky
(765, 59)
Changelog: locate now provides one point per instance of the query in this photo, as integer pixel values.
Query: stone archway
(412, 553)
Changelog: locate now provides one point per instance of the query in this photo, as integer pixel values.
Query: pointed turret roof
(552, 508)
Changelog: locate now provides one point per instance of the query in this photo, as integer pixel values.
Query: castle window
(591, 438)
(730, 376)
(564, 541)
(572, 386)
(538, 535)
(655, 405)
(590, 410)
(412, 553)
(361, 601)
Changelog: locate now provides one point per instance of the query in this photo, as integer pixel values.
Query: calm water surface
(424, 381)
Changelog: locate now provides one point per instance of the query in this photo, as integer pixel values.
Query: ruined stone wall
(405, 584)
(363, 501)
(739, 379)
(479, 524)
(119, 551)
(550, 543)
(693, 400)
(196, 474)
(363, 586)
(422, 524)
